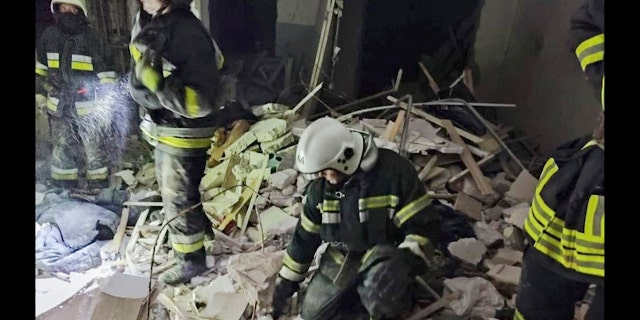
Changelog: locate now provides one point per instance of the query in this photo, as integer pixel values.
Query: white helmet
(78, 3)
(328, 144)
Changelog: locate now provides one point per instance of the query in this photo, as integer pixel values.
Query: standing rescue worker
(71, 71)
(174, 78)
(374, 213)
(565, 226)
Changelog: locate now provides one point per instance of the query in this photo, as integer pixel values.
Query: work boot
(189, 265)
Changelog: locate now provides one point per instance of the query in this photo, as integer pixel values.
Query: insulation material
(255, 272)
(479, 296)
(269, 129)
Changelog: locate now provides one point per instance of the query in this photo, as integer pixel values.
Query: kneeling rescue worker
(374, 213)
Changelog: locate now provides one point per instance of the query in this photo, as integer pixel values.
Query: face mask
(70, 22)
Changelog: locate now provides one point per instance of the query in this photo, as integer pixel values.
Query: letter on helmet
(78, 3)
(328, 144)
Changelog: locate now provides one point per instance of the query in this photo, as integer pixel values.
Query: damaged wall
(527, 45)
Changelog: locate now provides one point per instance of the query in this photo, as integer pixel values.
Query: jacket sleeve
(306, 238)
(42, 69)
(419, 224)
(587, 26)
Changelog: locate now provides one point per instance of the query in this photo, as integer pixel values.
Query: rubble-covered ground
(253, 198)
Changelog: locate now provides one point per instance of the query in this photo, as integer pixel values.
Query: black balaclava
(71, 22)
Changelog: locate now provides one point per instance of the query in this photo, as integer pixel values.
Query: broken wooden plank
(237, 131)
(393, 132)
(471, 137)
(172, 306)
(111, 250)
(465, 171)
(427, 168)
(439, 304)
(135, 234)
(432, 83)
(467, 159)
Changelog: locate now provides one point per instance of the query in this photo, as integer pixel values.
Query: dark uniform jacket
(180, 48)
(70, 68)
(387, 205)
(565, 225)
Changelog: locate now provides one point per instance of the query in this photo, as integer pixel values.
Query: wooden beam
(471, 137)
(467, 159)
(439, 304)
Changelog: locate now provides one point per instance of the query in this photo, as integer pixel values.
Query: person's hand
(284, 290)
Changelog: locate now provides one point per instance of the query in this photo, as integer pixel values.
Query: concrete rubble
(253, 198)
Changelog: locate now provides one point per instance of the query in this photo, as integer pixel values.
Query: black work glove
(284, 290)
(385, 288)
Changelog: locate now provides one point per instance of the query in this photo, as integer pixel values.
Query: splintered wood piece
(237, 131)
(467, 159)
(393, 132)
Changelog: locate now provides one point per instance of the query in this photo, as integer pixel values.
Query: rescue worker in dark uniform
(374, 213)
(71, 71)
(174, 78)
(565, 226)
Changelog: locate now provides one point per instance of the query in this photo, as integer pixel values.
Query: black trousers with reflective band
(547, 295)
(76, 140)
(179, 178)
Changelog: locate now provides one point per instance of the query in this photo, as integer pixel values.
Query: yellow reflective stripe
(291, 275)
(53, 60)
(308, 225)
(135, 53)
(191, 101)
(330, 205)
(594, 223)
(64, 174)
(546, 217)
(378, 202)
(336, 255)
(182, 143)
(188, 248)
(81, 62)
(411, 209)
(293, 265)
(98, 174)
(41, 69)
(602, 94)
(423, 241)
(589, 49)
(569, 257)
(187, 243)
(52, 103)
(150, 78)
(367, 254)
(82, 66)
(550, 168)
(107, 77)
(329, 217)
(518, 315)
